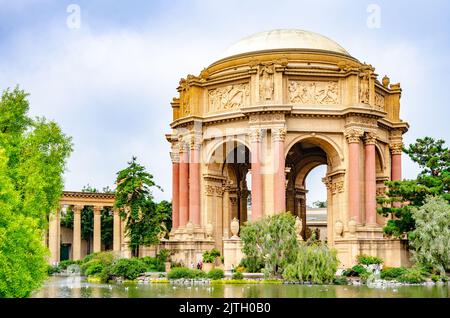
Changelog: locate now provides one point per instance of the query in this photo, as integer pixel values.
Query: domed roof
(284, 39)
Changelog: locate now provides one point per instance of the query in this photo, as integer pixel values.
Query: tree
(164, 210)
(33, 154)
(134, 200)
(403, 196)
(320, 204)
(431, 237)
(270, 241)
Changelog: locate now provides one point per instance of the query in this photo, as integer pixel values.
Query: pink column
(184, 187)
(370, 179)
(353, 174)
(194, 184)
(257, 185)
(278, 136)
(175, 191)
(396, 162)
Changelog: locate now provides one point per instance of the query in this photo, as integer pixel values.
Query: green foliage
(134, 199)
(216, 273)
(128, 268)
(94, 268)
(164, 212)
(412, 276)
(355, 271)
(251, 264)
(237, 276)
(403, 196)
(215, 253)
(184, 272)
(392, 273)
(33, 155)
(320, 204)
(210, 256)
(340, 280)
(270, 241)
(369, 260)
(66, 263)
(314, 263)
(431, 238)
(53, 269)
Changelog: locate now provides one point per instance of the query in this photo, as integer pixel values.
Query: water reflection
(78, 287)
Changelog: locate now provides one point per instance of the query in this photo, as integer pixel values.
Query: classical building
(250, 127)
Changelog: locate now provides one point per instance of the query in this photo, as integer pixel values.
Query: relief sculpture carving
(308, 92)
(228, 97)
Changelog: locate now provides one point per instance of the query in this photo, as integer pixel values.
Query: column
(257, 183)
(370, 179)
(53, 236)
(175, 189)
(396, 161)
(184, 186)
(116, 230)
(353, 136)
(226, 210)
(194, 182)
(97, 229)
(278, 137)
(76, 243)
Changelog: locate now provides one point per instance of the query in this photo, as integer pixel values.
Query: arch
(379, 158)
(333, 151)
(302, 174)
(218, 142)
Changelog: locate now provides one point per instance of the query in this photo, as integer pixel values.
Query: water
(78, 287)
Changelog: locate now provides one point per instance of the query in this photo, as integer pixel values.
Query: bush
(369, 260)
(94, 268)
(53, 269)
(153, 264)
(163, 256)
(392, 273)
(128, 268)
(184, 272)
(251, 264)
(355, 271)
(214, 253)
(66, 263)
(340, 280)
(314, 263)
(208, 258)
(412, 276)
(216, 274)
(237, 276)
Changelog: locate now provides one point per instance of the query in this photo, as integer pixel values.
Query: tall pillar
(278, 137)
(353, 136)
(175, 190)
(226, 210)
(194, 182)
(97, 229)
(184, 186)
(53, 237)
(116, 230)
(396, 161)
(257, 183)
(76, 244)
(370, 179)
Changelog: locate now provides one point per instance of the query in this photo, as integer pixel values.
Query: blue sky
(109, 83)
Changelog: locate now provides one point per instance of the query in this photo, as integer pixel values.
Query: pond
(78, 287)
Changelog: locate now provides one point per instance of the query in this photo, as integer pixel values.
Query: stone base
(189, 251)
(394, 252)
(232, 253)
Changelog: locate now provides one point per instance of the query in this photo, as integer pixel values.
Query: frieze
(313, 92)
(229, 97)
(379, 101)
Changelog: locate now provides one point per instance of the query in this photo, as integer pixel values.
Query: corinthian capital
(370, 138)
(278, 134)
(396, 148)
(194, 143)
(353, 135)
(255, 135)
(175, 156)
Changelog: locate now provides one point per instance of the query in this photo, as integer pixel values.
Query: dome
(284, 39)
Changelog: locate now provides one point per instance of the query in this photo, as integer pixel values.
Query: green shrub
(208, 258)
(216, 273)
(163, 256)
(214, 253)
(94, 268)
(128, 268)
(53, 269)
(392, 273)
(369, 260)
(251, 264)
(184, 272)
(237, 276)
(315, 263)
(64, 264)
(153, 264)
(340, 280)
(355, 271)
(412, 276)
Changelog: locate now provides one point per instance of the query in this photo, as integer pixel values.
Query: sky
(106, 71)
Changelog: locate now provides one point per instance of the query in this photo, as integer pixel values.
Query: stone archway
(302, 157)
